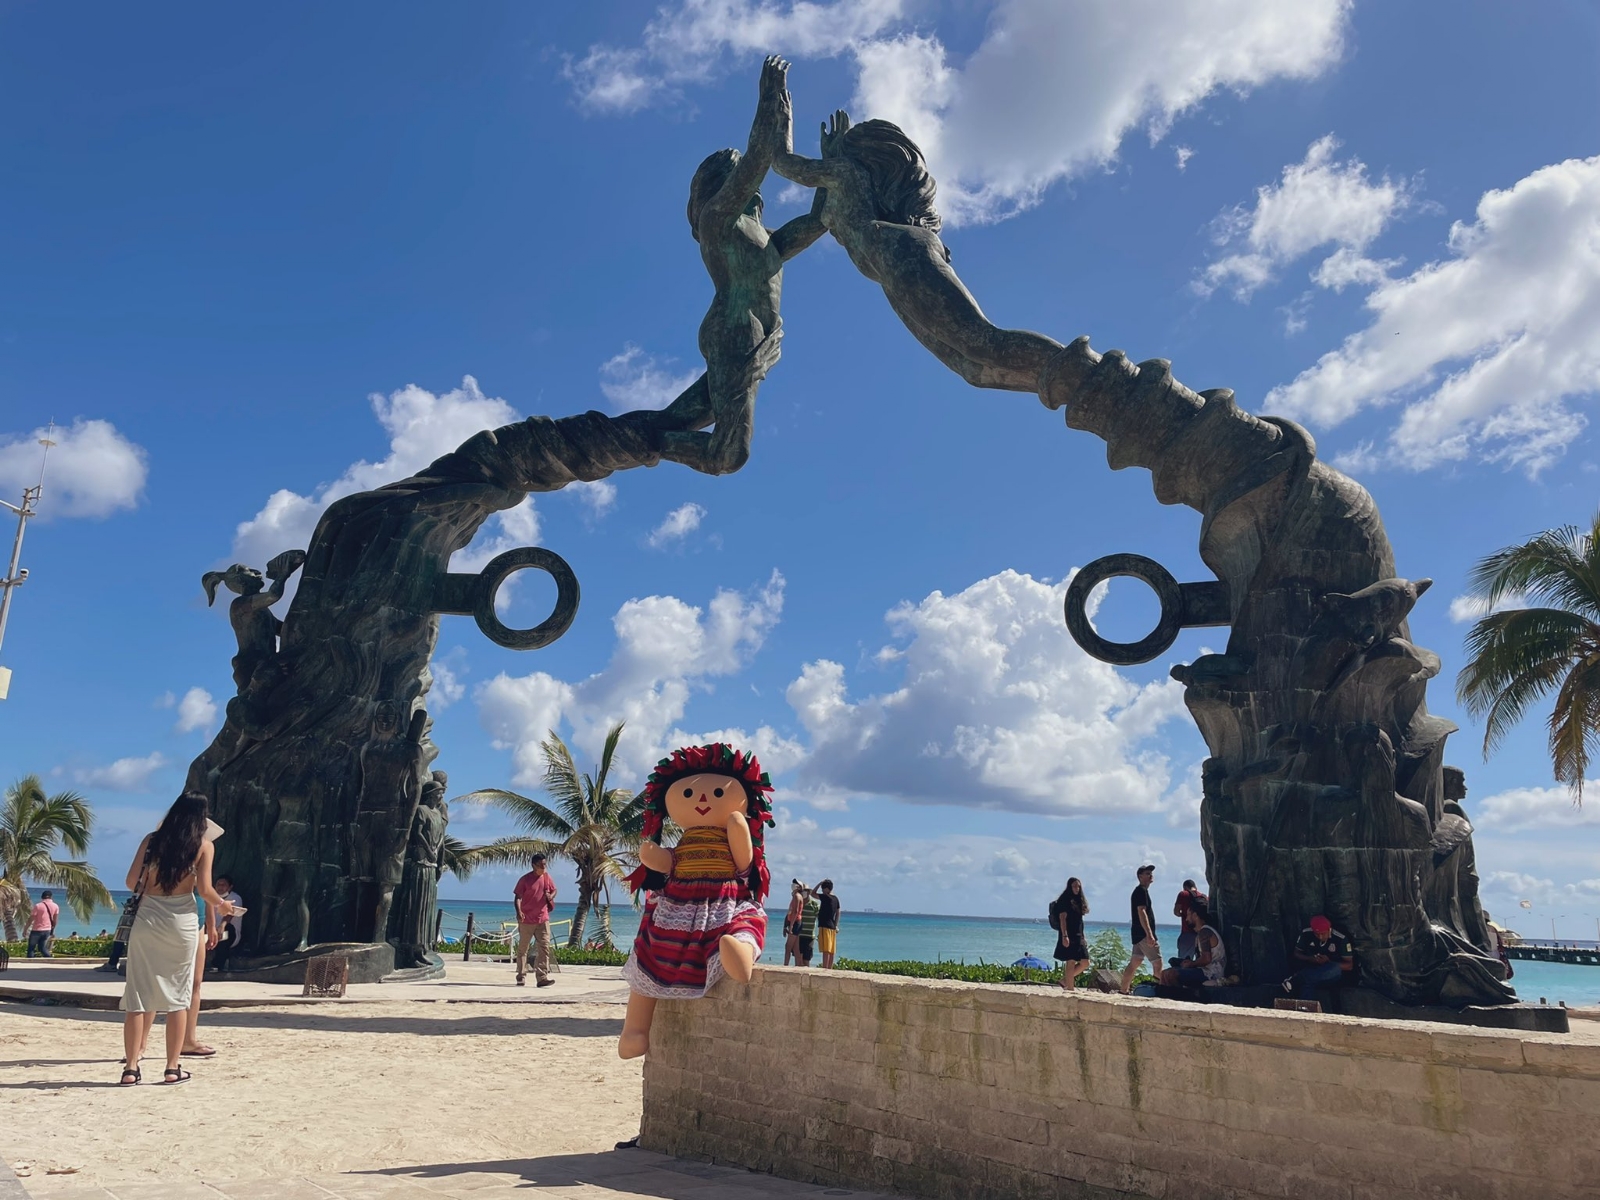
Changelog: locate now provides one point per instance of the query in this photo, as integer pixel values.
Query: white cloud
(687, 43)
(92, 470)
(448, 686)
(197, 710)
(1545, 892)
(633, 380)
(598, 496)
(1486, 348)
(421, 426)
(1183, 155)
(676, 525)
(1532, 808)
(1052, 90)
(1318, 202)
(1472, 608)
(666, 651)
(998, 709)
(124, 775)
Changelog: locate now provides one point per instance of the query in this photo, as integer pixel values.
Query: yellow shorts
(827, 940)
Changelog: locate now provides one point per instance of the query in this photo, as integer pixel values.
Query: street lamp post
(16, 575)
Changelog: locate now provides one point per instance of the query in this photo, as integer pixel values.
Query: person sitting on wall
(1209, 961)
(1321, 956)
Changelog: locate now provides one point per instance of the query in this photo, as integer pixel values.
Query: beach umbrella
(1032, 963)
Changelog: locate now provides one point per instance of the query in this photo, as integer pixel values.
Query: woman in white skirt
(171, 865)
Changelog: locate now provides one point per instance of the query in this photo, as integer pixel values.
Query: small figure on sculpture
(704, 916)
(740, 335)
(879, 206)
(254, 623)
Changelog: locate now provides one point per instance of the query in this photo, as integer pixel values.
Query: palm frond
(85, 892)
(1575, 724)
(1557, 568)
(524, 811)
(1514, 658)
(503, 852)
(561, 778)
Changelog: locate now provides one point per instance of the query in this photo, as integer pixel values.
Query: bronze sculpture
(1325, 789)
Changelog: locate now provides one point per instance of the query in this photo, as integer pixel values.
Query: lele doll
(703, 918)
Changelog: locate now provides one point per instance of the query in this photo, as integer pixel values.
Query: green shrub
(979, 972)
(572, 956)
(67, 948)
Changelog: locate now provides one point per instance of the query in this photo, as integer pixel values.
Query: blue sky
(256, 260)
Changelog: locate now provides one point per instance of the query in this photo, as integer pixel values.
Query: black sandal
(182, 1075)
(130, 1076)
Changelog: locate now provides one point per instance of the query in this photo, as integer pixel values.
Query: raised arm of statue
(800, 233)
(879, 207)
(742, 184)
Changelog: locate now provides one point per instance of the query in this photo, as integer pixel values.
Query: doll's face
(707, 799)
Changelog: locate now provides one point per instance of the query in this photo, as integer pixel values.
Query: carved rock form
(1325, 789)
(319, 768)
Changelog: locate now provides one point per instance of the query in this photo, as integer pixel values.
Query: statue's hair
(231, 577)
(708, 179)
(902, 189)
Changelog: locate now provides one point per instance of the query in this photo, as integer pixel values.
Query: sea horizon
(870, 936)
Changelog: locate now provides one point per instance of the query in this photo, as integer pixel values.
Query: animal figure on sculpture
(740, 335)
(254, 624)
(703, 918)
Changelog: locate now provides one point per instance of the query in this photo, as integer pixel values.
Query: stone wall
(938, 1089)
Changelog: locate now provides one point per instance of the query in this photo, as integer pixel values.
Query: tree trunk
(585, 902)
(605, 926)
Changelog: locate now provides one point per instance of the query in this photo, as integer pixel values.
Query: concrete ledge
(951, 1090)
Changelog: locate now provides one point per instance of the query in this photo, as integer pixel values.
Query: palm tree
(594, 826)
(31, 826)
(1519, 655)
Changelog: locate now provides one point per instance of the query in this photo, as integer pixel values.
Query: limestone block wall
(938, 1089)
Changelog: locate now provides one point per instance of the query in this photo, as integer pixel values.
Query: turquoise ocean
(918, 937)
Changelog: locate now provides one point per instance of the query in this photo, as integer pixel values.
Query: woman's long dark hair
(1070, 901)
(175, 845)
(902, 189)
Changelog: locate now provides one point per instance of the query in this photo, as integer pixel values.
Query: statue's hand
(833, 132)
(775, 113)
(737, 822)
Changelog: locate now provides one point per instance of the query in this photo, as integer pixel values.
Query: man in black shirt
(1322, 955)
(1142, 928)
(827, 922)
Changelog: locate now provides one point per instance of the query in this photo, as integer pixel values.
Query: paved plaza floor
(468, 1086)
(611, 1175)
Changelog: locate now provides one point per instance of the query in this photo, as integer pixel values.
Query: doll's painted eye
(717, 793)
(689, 791)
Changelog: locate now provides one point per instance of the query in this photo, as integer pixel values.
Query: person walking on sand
(791, 922)
(1142, 928)
(170, 866)
(827, 923)
(535, 896)
(42, 929)
(1066, 914)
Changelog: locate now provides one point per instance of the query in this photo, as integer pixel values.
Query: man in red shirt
(42, 929)
(535, 895)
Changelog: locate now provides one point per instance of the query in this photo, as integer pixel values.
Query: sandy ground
(309, 1090)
